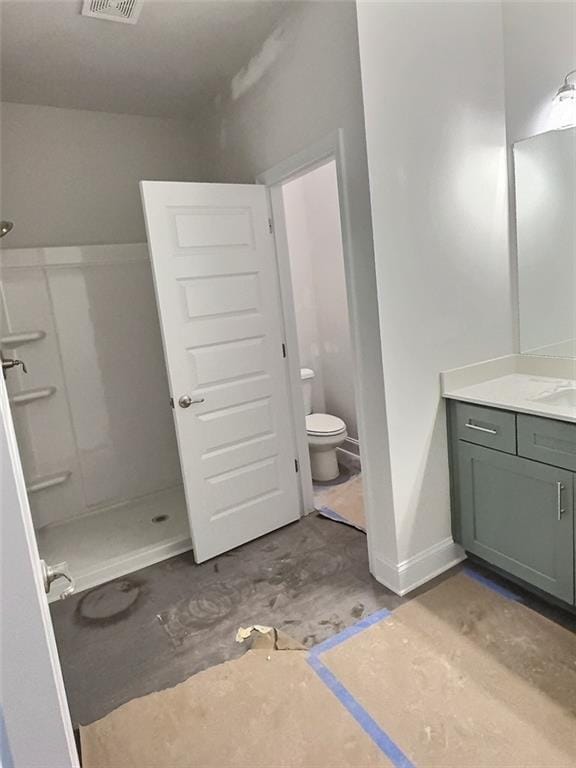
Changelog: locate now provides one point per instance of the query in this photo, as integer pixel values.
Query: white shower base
(116, 541)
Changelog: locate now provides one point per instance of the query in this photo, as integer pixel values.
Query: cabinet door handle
(481, 429)
(559, 489)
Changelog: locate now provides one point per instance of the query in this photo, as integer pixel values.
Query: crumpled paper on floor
(268, 639)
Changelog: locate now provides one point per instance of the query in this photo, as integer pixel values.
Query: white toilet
(325, 434)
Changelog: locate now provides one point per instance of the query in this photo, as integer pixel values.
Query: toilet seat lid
(324, 424)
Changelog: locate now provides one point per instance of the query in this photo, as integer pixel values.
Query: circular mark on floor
(217, 602)
(160, 518)
(110, 602)
(295, 573)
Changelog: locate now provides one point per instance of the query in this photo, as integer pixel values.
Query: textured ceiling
(177, 56)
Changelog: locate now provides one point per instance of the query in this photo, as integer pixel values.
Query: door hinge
(270, 226)
(283, 350)
(171, 402)
(296, 465)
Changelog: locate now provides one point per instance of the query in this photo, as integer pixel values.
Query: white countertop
(515, 383)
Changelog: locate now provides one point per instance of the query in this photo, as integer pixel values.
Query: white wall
(433, 84)
(302, 86)
(70, 177)
(319, 285)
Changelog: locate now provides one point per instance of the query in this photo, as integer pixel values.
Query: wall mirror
(545, 183)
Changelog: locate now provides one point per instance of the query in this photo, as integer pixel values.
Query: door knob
(186, 401)
(51, 573)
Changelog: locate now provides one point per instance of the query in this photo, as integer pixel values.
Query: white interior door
(216, 281)
(35, 727)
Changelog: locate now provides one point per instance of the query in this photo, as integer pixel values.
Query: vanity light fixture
(565, 103)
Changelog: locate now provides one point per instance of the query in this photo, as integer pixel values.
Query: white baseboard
(405, 576)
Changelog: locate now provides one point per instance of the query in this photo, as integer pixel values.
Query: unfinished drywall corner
(258, 65)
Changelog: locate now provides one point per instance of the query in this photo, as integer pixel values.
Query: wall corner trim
(405, 576)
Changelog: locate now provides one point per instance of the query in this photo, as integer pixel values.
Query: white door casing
(216, 283)
(36, 730)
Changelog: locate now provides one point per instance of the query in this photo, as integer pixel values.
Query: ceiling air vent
(126, 11)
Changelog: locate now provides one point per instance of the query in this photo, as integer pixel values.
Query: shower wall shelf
(30, 395)
(16, 339)
(48, 481)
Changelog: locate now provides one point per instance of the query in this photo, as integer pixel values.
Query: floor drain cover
(110, 601)
(159, 518)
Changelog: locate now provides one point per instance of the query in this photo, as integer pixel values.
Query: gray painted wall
(70, 177)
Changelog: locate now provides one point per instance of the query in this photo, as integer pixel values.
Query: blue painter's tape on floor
(494, 586)
(364, 720)
(355, 629)
(362, 717)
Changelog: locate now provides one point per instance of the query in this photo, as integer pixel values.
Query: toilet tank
(306, 379)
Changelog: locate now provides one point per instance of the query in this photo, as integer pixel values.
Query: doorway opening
(307, 214)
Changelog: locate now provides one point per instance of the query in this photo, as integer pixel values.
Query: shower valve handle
(10, 363)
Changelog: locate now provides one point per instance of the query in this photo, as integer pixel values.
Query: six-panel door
(216, 282)
(518, 515)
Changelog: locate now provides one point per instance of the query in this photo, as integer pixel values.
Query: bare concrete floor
(155, 628)
(160, 625)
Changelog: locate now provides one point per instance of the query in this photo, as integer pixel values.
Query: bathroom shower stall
(92, 410)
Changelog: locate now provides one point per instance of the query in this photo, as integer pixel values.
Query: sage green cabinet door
(519, 515)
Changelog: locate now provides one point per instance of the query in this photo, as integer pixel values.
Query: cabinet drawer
(486, 426)
(552, 442)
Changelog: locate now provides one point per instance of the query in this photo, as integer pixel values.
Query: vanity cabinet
(513, 493)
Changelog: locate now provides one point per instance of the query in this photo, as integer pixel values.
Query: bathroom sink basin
(564, 397)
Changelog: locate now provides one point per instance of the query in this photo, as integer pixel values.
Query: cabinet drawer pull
(559, 489)
(468, 425)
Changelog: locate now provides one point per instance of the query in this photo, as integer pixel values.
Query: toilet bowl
(325, 434)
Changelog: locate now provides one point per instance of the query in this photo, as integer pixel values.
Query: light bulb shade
(564, 107)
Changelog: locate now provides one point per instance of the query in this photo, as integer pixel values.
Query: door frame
(330, 148)
(35, 722)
